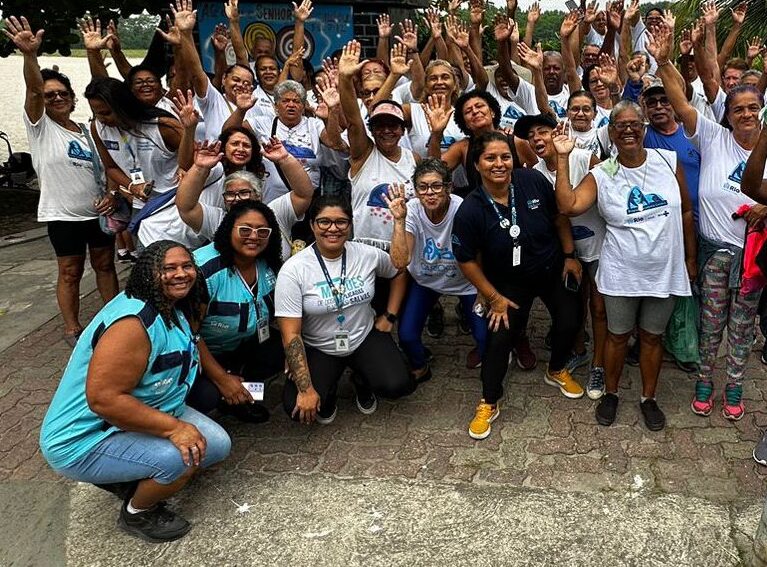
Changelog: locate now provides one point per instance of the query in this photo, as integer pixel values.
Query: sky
(548, 4)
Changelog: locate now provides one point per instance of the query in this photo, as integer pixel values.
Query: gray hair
(622, 107)
(289, 86)
(256, 184)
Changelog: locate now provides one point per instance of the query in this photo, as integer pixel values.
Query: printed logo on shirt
(737, 174)
(446, 142)
(561, 112)
(638, 202)
(454, 240)
(354, 292)
(76, 151)
(533, 204)
(299, 152)
(581, 232)
(111, 145)
(433, 251)
(605, 120)
(437, 261)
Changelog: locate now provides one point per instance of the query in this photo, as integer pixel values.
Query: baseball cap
(387, 108)
(652, 83)
(523, 126)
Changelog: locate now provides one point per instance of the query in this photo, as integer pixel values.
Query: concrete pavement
(405, 486)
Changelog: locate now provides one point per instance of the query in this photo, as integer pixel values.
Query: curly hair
(222, 240)
(256, 163)
(491, 101)
(145, 283)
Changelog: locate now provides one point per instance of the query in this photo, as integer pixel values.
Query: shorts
(72, 238)
(650, 313)
(591, 269)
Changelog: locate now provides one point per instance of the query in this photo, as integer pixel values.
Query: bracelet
(661, 64)
(570, 255)
(493, 297)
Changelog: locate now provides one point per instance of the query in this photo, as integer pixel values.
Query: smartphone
(571, 282)
(572, 6)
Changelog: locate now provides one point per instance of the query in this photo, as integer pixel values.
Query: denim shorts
(126, 455)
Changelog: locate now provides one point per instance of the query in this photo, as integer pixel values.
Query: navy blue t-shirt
(687, 155)
(477, 230)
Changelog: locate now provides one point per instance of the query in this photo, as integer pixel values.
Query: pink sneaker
(733, 402)
(703, 402)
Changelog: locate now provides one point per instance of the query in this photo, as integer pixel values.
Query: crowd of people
(284, 220)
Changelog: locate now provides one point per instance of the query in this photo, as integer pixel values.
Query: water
(13, 90)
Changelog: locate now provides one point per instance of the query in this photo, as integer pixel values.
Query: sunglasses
(245, 231)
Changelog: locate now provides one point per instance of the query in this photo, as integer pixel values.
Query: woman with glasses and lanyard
(240, 346)
(71, 198)
(650, 238)
(323, 304)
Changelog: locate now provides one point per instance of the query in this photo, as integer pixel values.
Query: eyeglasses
(581, 109)
(242, 195)
(245, 231)
(324, 223)
(144, 82)
(660, 101)
(53, 95)
(636, 126)
(424, 188)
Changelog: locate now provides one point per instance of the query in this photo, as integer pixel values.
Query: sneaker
(322, 420)
(479, 428)
(473, 359)
(463, 323)
(577, 360)
(632, 355)
(760, 451)
(565, 382)
(654, 418)
(607, 408)
(732, 404)
(596, 386)
(125, 257)
(367, 405)
(435, 324)
(526, 359)
(703, 402)
(157, 524)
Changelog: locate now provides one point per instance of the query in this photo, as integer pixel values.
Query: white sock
(132, 510)
(645, 398)
(122, 250)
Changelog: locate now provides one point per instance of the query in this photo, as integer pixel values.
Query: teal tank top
(70, 429)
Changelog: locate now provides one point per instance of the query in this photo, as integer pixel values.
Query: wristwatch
(390, 317)
(570, 255)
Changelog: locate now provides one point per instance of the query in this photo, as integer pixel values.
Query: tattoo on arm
(299, 368)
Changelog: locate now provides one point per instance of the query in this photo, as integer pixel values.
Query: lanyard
(512, 226)
(253, 291)
(126, 143)
(338, 292)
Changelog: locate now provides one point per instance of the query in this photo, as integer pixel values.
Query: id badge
(263, 331)
(256, 390)
(342, 341)
(516, 258)
(136, 175)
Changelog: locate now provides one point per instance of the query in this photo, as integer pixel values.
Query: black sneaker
(606, 409)
(123, 490)
(125, 257)
(632, 354)
(156, 525)
(249, 413)
(367, 402)
(654, 418)
(463, 322)
(435, 324)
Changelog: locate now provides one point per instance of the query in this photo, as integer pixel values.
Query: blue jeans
(127, 455)
(418, 304)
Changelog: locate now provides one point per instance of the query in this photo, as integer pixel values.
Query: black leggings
(565, 308)
(378, 366)
(252, 360)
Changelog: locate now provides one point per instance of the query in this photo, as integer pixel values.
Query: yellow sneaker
(479, 428)
(565, 382)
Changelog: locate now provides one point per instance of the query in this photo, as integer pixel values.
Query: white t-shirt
(515, 105)
(432, 263)
(596, 140)
(588, 228)
(167, 105)
(402, 94)
(699, 103)
(558, 102)
(216, 110)
(63, 162)
(722, 162)
(717, 107)
(264, 105)
(602, 117)
(283, 210)
(420, 132)
(303, 292)
(643, 251)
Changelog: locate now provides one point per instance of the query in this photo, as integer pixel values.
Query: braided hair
(145, 283)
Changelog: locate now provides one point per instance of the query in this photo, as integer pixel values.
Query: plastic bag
(681, 337)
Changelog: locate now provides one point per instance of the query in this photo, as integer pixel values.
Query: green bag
(681, 337)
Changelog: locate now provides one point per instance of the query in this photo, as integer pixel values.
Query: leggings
(720, 307)
(378, 366)
(418, 304)
(565, 308)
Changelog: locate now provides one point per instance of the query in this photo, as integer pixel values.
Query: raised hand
(232, 10)
(710, 13)
(183, 15)
(659, 43)
(438, 111)
(396, 201)
(173, 35)
(243, 99)
(632, 12)
(295, 58)
(755, 48)
(301, 13)
(591, 12)
(458, 33)
(220, 37)
(569, 24)
(349, 64)
(685, 43)
(562, 140)
(669, 19)
(113, 43)
(615, 15)
(534, 13)
(453, 5)
(698, 32)
(636, 68)
(384, 25)
(531, 58)
(187, 114)
(90, 29)
(326, 88)
(207, 154)
(273, 150)
(409, 37)
(330, 66)
(476, 12)
(607, 71)
(434, 22)
(398, 63)
(502, 27)
(739, 13)
(19, 32)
